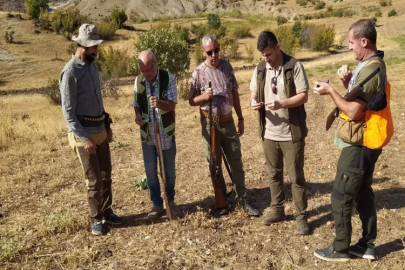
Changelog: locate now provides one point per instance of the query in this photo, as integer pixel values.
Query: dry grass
(43, 222)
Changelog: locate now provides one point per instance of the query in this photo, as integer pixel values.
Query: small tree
(34, 7)
(214, 21)
(171, 52)
(119, 17)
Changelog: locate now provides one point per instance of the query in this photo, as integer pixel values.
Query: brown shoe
(274, 215)
(156, 212)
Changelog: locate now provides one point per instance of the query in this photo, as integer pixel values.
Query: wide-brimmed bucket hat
(88, 36)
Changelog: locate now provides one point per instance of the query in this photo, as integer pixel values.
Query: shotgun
(161, 164)
(220, 200)
(350, 96)
(228, 168)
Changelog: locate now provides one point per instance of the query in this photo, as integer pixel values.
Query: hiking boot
(330, 255)
(273, 216)
(248, 208)
(156, 212)
(174, 209)
(113, 219)
(362, 252)
(97, 228)
(302, 226)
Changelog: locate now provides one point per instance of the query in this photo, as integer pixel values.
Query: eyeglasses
(216, 50)
(274, 85)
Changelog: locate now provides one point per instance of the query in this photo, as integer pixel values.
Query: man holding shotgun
(215, 90)
(155, 98)
(357, 161)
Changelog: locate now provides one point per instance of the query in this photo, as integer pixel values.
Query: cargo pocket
(347, 184)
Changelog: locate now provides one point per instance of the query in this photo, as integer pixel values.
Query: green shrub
(71, 49)
(112, 63)
(249, 53)
(202, 29)
(374, 21)
(322, 37)
(66, 21)
(119, 17)
(171, 52)
(392, 13)
(52, 91)
(281, 20)
(182, 32)
(302, 2)
(286, 39)
(319, 5)
(385, 3)
(35, 7)
(141, 183)
(235, 13)
(106, 29)
(229, 49)
(198, 54)
(214, 21)
(9, 36)
(242, 31)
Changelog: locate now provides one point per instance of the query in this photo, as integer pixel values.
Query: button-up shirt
(81, 95)
(166, 141)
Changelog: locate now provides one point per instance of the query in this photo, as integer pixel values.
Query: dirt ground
(43, 207)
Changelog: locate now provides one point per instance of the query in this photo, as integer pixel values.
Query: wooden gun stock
(161, 165)
(352, 95)
(220, 199)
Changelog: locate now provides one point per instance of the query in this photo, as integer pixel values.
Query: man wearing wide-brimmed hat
(89, 131)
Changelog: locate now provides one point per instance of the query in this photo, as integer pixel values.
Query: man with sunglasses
(279, 89)
(224, 95)
(89, 131)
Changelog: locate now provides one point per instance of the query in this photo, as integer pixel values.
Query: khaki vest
(141, 97)
(297, 115)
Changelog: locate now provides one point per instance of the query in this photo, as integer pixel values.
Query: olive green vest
(141, 97)
(297, 116)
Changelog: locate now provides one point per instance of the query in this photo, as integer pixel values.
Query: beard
(90, 57)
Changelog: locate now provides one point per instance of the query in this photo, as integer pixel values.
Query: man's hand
(241, 127)
(208, 94)
(274, 105)
(110, 135)
(154, 102)
(345, 74)
(322, 88)
(255, 105)
(90, 147)
(138, 119)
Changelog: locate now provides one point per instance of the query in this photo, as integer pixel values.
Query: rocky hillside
(159, 8)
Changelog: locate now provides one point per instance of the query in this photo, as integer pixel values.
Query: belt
(218, 119)
(91, 121)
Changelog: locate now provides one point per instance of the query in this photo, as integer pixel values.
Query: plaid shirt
(172, 96)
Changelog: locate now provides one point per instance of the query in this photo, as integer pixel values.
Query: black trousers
(353, 182)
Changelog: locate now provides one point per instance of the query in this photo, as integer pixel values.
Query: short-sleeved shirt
(81, 95)
(172, 96)
(277, 127)
(223, 83)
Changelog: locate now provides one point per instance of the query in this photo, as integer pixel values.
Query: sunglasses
(214, 50)
(274, 85)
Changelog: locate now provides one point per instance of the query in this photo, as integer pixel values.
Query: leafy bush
(71, 49)
(242, 31)
(35, 7)
(229, 48)
(52, 91)
(302, 2)
(319, 5)
(119, 17)
(214, 21)
(106, 29)
(202, 29)
(286, 39)
(374, 21)
(321, 37)
(141, 183)
(392, 13)
(171, 52)
(112, 64)
(198, 55)
(281, 20)
(249, 53)
(9, 36)
(385, 3)
(182, 32)
(235, 13)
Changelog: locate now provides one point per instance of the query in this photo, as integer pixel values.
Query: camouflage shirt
(223, 83)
